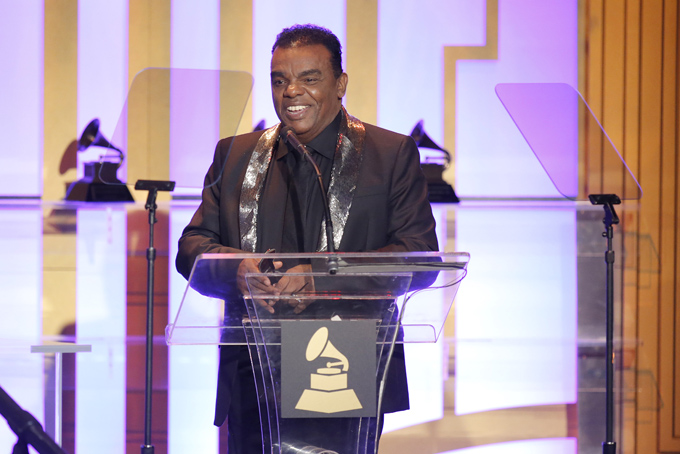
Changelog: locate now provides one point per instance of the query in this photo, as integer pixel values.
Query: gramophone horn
(438, 190)
(320, 346)
(422, 139)
(92, 137)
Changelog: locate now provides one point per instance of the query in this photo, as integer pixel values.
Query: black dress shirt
(300, 227)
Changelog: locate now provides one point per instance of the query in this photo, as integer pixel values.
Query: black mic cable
(288, 135)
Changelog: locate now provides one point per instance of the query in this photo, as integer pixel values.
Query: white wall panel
(21, 109)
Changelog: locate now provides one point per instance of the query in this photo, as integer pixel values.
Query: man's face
(306, 95)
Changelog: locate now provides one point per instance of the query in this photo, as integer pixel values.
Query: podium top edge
(459, 256)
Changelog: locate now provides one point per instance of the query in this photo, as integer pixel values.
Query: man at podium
(260, 194)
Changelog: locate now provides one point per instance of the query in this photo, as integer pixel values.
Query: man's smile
(296, 108)
(296, 113)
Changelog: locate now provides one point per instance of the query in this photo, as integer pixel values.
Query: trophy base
(328, 402)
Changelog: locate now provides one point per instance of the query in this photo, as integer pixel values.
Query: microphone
(288, 135)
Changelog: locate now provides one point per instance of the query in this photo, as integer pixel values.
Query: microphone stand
(610, 218)
(289, 136)
(332, 258)
(153, 187)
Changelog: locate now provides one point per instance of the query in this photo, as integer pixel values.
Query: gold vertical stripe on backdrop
(676, 357)
(649, 173)
(668, 340)
(583, 16)
(593, 93)
(60, 133)
(361, 59)
(631, 146)
(60, 101)
(583, 30)
(148, 157)
(148, 146)
(149, 35)
(612, 92)
(611, 111)
(452, 54)
(630, 221)
(236, 54)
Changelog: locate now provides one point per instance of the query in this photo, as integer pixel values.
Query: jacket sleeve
(411, 226)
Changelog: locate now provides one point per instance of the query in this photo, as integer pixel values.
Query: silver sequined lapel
(346, 165)
(251, 190)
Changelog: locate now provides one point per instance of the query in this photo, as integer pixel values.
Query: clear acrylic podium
(329, 360)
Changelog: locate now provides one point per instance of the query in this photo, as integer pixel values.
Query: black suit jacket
(390, 212)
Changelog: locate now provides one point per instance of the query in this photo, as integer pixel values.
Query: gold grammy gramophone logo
(323, 378)
(329, 392)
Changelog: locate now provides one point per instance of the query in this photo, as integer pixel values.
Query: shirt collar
(325, 143)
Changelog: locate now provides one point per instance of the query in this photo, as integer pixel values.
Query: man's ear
(342, 85)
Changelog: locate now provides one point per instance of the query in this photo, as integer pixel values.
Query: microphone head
(285, 133)
(288, 135)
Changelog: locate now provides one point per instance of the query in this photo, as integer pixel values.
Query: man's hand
(258, 284)
(290, 285)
